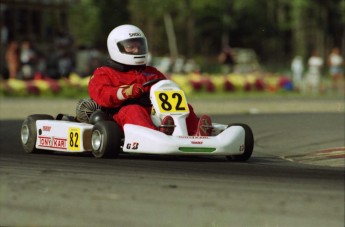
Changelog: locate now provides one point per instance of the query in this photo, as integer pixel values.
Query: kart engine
(84, 109)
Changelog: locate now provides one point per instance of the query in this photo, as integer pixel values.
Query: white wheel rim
(96, 140)
(25, 134)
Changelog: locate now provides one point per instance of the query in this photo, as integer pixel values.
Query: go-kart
(103, 137)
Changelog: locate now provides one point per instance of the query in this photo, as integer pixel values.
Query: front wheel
(248, 145)
(106, 139)
(28, 131)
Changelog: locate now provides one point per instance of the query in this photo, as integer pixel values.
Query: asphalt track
(276, 187)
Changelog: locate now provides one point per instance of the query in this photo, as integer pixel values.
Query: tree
(276, 29)
(84, 24)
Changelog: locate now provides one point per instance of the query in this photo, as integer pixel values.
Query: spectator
(297, 69)
(190, 66)
(226, 58)
(315, 64)
(4, 40)
(28, 60)
(12, 59)
(82, 61)
(4, 34)
(65, 64)
(51, 64)
(64, 48)
(336, 69)
(63, 40)
(95, 60)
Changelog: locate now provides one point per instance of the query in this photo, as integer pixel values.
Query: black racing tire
(28, 132)
(248, 145)
(106, 139)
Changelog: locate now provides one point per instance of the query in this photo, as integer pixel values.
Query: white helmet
(127, 45)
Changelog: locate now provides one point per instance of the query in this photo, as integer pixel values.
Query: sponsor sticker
(52, 142)
(242, 148)
(197, 142)
(132, 146)
(74, 139)
(46, 128)
(194, 137)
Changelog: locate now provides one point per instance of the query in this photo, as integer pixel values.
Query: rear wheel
(106, 139)
(248, 145)
(28, 131)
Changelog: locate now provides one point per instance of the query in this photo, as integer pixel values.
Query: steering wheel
(150, 82)
(144, 99)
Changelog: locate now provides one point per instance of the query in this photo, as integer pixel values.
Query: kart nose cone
(24, 134)
(96, 140)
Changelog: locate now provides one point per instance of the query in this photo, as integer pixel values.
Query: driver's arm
(154, 74)
(111, 92)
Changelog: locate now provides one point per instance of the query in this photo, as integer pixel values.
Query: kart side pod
(139, 139)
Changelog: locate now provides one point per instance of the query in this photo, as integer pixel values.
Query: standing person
(226, 58)
(82, 61)
(65, 63)
(336, 69)
(297, 69)
(64, 46)
(28, 59)
(12, 59)
(315, 64)
(118, 84)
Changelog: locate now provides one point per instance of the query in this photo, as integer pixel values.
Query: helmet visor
(133, 46)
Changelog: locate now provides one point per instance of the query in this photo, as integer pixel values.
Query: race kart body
(104, 138)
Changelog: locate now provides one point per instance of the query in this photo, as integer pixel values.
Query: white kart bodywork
(143, 140)
(63, 136)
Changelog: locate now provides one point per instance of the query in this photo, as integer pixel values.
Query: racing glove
(130, 91)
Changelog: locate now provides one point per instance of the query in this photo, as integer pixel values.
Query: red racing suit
(103, 88)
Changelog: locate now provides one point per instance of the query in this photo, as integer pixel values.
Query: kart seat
(65, 117)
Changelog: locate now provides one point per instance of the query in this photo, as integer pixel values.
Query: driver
(119, 84)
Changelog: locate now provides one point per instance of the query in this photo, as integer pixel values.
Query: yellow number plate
(74, 139)
(171, 101)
